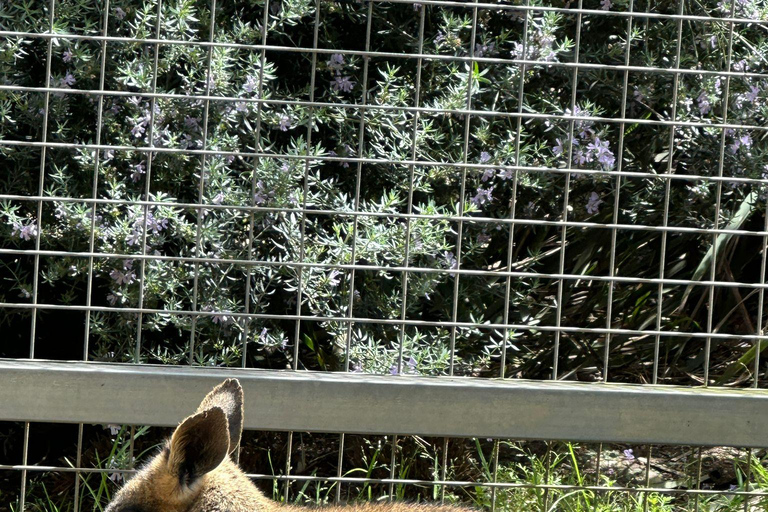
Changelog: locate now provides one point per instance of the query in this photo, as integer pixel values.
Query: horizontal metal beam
(99, 393)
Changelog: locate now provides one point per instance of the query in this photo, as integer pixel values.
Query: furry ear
(228, 396)
(198, 445)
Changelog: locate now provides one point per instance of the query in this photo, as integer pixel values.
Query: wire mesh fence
(529, 189)
(514, 486)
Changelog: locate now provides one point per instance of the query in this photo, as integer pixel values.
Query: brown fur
(229, 397)
(194, 474)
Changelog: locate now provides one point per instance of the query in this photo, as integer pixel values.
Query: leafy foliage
(264, 162)
(251, 184)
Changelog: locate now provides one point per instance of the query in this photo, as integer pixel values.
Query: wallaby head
(193, 472)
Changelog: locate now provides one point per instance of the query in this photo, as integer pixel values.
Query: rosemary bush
(309, 157)
(234, 180)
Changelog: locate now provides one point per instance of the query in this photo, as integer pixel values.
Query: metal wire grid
(411, 164)
(591, 480)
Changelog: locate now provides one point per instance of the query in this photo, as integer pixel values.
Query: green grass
(561, 466)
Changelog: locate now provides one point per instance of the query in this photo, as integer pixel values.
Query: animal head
(194, 464)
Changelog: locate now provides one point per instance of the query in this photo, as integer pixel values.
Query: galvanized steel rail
(77, 392)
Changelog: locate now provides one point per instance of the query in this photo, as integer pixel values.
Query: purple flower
(191, 123)
(558, 149)
(134, 238)
(746, 140)
(742, 65)
(67, 55)
(704, 105)
(594, 203)
(483, 196)
(583, 126)
(483, 49)
(488, 174)
(218, 198)
(68, 80)
(285, 123)
(343, 84)
(585, 132)
(261, 196)
(119, 13)
(138, 170)
(576, 111)
(26, 231)
(186, 141)
(220, 319)
(241, 106)
(483, 238)
(123, 276)
(336, 62)
(607, 159)
(333, 278)
(718, 86)
(506, 174)
(250, 83)
(411, 367)
(602, 153)
(517, 53)
(138, 130)
(629, 455)
(580, 157)
(751, 96)
(546, 40)
(153, 224)
(156, 225)
(484, 157)
(449, 260)
(606, 5)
